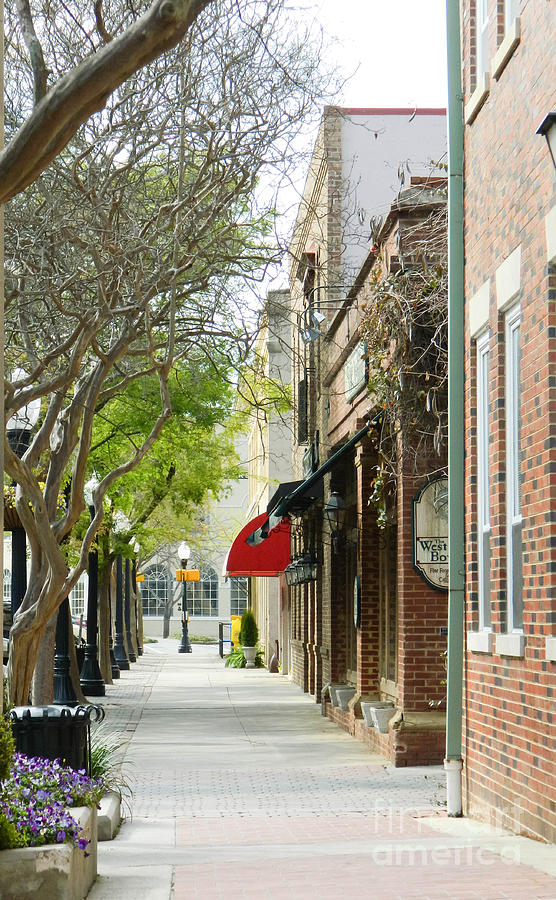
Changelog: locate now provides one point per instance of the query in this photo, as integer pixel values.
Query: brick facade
(510, 190)
(328, 649)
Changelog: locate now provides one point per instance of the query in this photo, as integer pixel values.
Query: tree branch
(85, 90)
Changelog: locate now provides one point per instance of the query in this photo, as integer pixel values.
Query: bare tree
(127, 254)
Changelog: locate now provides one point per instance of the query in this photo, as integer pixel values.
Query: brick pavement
(243, 790)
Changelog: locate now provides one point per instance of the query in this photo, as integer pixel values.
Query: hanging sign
(430, 533)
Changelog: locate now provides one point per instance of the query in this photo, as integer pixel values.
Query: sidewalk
(243, 790)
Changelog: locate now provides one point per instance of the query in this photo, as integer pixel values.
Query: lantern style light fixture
(335, 512)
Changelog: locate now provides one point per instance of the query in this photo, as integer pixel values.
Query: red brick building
(367, 633)
(510, 420)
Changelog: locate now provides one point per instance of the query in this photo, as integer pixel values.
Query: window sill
(550, 649)
(477, 98)
(510, 644)
(506, 48)
(479, 641)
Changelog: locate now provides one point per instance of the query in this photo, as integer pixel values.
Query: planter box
(109, 816)
(343, 696)
(367, 707)
(54, 871)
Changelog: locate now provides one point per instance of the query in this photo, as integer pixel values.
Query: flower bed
(48, 840)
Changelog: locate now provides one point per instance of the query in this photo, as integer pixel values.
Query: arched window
(238, 595)
(155, 591)
(202, 596)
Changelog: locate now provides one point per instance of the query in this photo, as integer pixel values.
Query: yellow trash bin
(236, 626)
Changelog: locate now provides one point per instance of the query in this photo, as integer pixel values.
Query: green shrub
(108, 763)
(249, 633)
(9, 835)
(7, 746)
(236, 659)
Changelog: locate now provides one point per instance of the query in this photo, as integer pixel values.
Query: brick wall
(510, 186)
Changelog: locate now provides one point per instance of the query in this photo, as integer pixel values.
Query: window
(155, 591)
(7, 588)
(238, 596)
(513, 471)
(482, 38)
(511, 11)
(77, 597)
(483, 499)
(202, 596)
(302, 412)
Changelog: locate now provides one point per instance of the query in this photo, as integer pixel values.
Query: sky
(397, 49)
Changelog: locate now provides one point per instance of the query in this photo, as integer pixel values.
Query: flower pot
(250, 653)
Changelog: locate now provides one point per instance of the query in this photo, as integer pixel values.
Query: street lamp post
(136, 549)
(185, 646)
(119, 649)
(91, 679)
(127, 608)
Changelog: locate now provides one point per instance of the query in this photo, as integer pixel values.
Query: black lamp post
(136, 549)
(185, 646)
(127, 608)
(114, 667)
(119, 649)
(91, 679)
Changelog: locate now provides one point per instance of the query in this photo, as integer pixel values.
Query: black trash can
(56, 732)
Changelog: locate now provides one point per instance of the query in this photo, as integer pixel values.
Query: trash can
(56, 732)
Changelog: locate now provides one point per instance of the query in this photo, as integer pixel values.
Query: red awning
(267, 558)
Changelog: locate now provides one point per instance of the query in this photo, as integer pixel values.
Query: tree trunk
(42, 689)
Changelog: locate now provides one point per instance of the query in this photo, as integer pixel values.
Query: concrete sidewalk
(242, 789)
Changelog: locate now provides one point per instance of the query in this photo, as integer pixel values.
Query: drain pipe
(456, 594)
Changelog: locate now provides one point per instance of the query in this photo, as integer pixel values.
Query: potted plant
(248, 638)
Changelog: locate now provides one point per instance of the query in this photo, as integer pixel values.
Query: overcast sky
(397, 46)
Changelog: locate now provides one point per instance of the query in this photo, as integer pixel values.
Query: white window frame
(483, 480)
(481, 38)
(202, 596)
(514, 519)
(239, 594)
(511, 12)
(78, 597)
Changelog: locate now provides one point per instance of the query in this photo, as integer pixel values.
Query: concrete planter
(343, 696)
(377, 714)
(109, 816)
(54, 871)
(332, 690)
(250, 653)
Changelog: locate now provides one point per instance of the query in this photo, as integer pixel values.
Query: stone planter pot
(368, 706)
(54, 871)
(250, 654)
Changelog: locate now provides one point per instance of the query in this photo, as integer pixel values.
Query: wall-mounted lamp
(548, 130)
(301, 570)
(335, 512)
(317, 317)
(309, 334)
